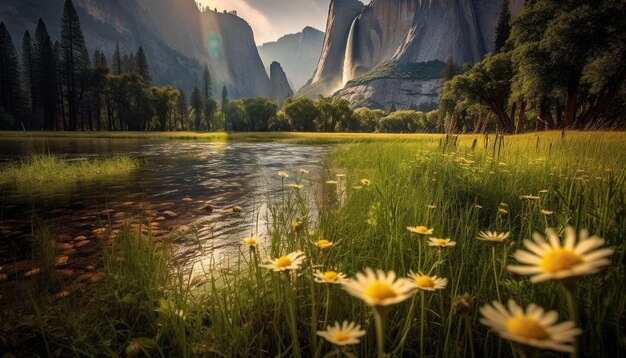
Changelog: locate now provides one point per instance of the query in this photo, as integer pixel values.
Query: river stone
(65, 272)
(59, 295)
(80, 238)
(33, 272)
(170, 213)
(186, 200)
(82, 243)
(63, 245)
(86, 276)
(61, 260)
(70, 252)
(97, 277)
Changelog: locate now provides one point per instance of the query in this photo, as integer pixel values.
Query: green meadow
(383, 203)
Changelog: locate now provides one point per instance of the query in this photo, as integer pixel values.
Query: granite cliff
(178, 39)
(297, 53)
(391, 52)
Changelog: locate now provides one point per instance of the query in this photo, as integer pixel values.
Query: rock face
(280, 85)
(178, 39)
(297, 53)
(363, 52)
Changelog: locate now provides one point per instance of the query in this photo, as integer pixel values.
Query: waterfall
(347, 58)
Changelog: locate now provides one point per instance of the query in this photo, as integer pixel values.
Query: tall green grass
(46, 169)
(147, 301)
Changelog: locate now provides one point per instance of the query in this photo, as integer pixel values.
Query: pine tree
(181, 105)
(10, 92)
(196, 103)
(27, 73)
(504, 26)
(224, 98)
(45, 69)
(449, 71)
(99, 60)
(142, 65)
(57, 56)
(117, 60)
(207, 83)
(75, 59)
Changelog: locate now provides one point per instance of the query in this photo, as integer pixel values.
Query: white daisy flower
(342, 335)
(292, 261)
(379, 288)
(548, 259)
(535, 327)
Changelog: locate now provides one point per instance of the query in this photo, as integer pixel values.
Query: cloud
(271, 19)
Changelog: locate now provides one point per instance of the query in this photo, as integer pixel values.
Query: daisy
(283, 175)
(422, 230)
(535, 327)
(331, 182)
(546, 212)
(366, 182)
(323, 244)
(503, 211)
(428, 283)
(431, 206)
(251, 242)
(329, 277)
(529, 197)
(296, 186)
(357, 187)
(303, 171)
(548, 259)
(433, 241)
(379, 288)
(493, 236)
(236, 209)
(292, 261)
(342, 335)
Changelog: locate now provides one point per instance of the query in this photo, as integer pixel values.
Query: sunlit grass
(49, 169)
(456, 188)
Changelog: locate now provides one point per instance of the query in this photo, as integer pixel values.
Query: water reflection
(172, 188)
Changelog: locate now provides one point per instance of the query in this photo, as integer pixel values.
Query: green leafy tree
(368, 118)
(259, 113)
(164, 101)
(301, 113)
(235, 115)
(181, 109)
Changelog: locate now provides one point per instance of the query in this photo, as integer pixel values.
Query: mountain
(391, 52)
(297, 53)
(280, 85)
(178, 39)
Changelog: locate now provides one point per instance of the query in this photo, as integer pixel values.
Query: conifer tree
(207, 83)
(45, 69)
(10, 92)
(196, 103)
(75, 59)
(224, 98)
(448, 71)
(27, 73)
(142, 65)
(503, 28)
(117, 60)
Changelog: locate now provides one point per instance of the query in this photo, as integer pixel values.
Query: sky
(271, 19)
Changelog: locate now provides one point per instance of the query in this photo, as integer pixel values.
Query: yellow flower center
(422, 229)
(424, 281)
(559, 259)
(379, 291)
(441, 242)
(283, 261)
(331, 276)
(526, 327)
(340, 336)
(251, 241)
(322, 244)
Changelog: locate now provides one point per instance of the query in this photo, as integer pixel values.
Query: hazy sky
(270, 19)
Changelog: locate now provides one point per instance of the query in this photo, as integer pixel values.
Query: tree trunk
(571, 105)
(520, 118)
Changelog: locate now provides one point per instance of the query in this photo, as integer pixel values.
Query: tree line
(557, 64)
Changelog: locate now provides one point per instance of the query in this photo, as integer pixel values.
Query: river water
(169, 191)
